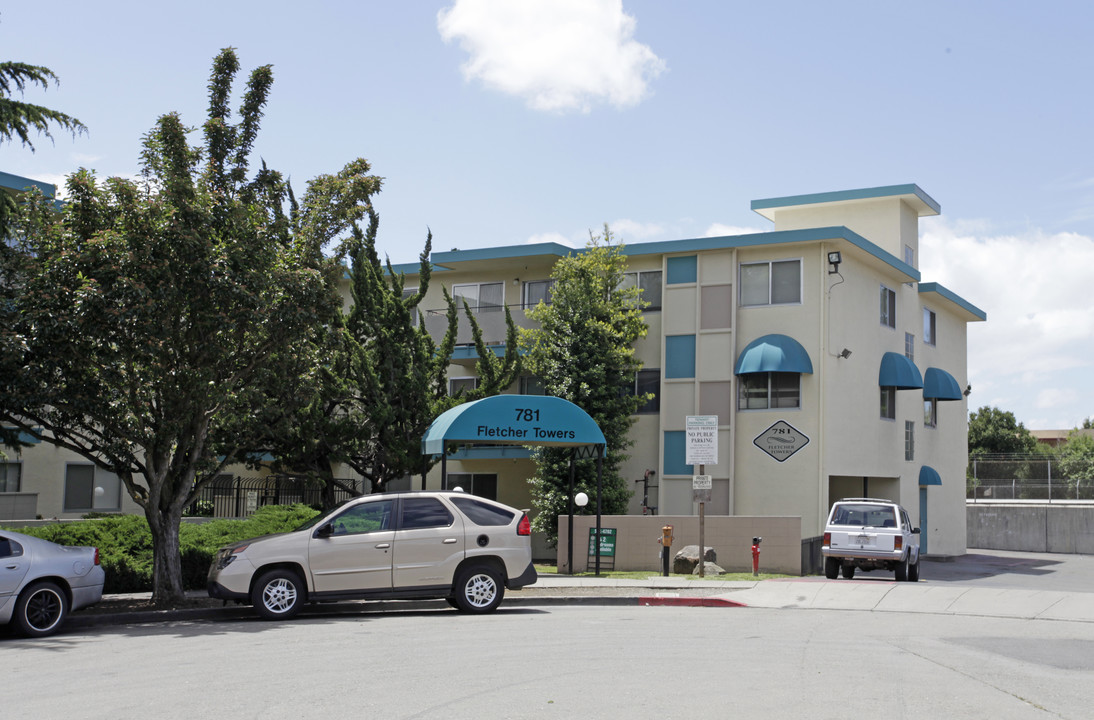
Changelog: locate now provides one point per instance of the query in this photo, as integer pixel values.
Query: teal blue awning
(899, 372)
(940, 385)
(929, 476)
(513, 420)
(773, 353)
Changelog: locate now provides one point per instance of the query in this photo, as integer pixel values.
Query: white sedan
(41, 582)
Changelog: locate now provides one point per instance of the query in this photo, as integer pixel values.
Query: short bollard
(756, 555)
(666, 543)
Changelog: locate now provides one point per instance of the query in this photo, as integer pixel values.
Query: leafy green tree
(995, 431)
(1088, 423)
(18, 120)
(583, 351)
(1076, 462)
(156, 320)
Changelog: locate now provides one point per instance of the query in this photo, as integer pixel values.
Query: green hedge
(125, 543)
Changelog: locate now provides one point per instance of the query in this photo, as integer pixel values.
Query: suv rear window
(864, 516)
(482, 513)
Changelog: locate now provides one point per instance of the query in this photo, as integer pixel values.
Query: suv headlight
(225, 556)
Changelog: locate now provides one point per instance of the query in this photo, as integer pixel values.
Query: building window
(484, 485)
(537, 291)
(647, 381)
(11, 476)
(909, 255)
(768, 391)
(480, 297)
(930, 412)
(929, 327)
(909, 440)
(909, 346)
(462, 385)
(888, 307)
(532, 385)
(649, 284)
(84, 491)
(771, 283)
(888, 403)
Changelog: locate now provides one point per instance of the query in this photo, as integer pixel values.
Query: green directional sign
(607, 542)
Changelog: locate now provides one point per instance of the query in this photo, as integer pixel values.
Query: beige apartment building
(833, 369)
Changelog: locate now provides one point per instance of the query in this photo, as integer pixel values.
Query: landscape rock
(687, 558)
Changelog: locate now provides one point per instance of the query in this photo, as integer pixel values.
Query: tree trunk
(167, 589)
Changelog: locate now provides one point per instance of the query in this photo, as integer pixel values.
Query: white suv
(870, 534)
(449, 545)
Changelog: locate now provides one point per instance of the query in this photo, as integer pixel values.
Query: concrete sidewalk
(983, 583)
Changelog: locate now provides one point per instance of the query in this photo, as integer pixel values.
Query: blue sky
(501, 122)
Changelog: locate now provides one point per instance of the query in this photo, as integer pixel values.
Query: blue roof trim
(940, 385)
(532, 420)
(954, 298)
(19, 183)
(667, 247)
(28, 438)
(899, 372)
(468, 352)
(929, 476)
(508, 251)
(773, 353)
(844, 195)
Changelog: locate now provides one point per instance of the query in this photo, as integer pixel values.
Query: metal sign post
(702, 448)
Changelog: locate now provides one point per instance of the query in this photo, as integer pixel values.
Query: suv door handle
(382, 546)
(450, 541)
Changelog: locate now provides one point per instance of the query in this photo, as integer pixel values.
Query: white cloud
(1035, 354)
(559, 55)
(720, 230)
(632, 231)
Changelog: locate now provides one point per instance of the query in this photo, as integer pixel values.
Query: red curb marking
(689, 602)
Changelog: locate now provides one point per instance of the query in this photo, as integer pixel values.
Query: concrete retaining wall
(637, 548)
(1056, 527)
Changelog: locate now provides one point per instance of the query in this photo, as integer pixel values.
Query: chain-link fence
(1023, 477)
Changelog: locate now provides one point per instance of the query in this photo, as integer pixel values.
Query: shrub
(125, 543)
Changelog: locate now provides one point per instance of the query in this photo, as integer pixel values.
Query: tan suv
(449, 545)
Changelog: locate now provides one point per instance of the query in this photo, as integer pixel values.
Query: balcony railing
(491, 320)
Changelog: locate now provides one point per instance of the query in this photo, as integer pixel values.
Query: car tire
(41, 608)
(831, 568)
(278, 594)
(479, 589)
(848, 572)
(902, 570)
(913, 571)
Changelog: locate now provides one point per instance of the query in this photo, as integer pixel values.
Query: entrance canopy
(513, 420)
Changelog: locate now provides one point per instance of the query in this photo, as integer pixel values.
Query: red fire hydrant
(756, 555)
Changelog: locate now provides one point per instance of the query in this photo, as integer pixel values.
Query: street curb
(689, 602)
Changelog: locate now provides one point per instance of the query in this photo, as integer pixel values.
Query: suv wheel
(902, 570)
(278, 594)
(479, 589)
(41, 609)
(848, 571)
(913, 571)
(831, 568)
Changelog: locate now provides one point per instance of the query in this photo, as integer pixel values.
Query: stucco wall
(1032, 527)
(731, 537)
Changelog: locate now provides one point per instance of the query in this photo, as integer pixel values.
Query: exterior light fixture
(845, 353)
(968, 390)
(834, 259)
